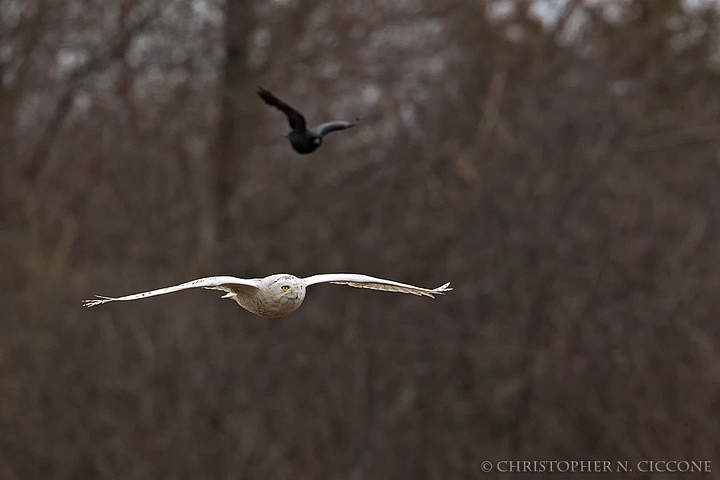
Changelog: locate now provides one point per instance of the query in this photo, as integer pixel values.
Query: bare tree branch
(674, 138)
(98, 63)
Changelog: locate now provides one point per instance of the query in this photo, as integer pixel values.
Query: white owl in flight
(280, 294)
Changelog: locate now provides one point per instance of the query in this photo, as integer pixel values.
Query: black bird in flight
(303, 139)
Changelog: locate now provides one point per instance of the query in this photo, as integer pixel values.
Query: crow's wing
(295, 118)
(334, 126)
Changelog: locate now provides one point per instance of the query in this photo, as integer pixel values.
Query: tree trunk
(234, 130)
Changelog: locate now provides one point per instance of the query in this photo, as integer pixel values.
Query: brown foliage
(563, 177)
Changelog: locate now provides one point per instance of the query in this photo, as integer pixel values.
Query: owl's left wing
(365, 281)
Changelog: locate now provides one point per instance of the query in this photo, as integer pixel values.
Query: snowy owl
(280, 294)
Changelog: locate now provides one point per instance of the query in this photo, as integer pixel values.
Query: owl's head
(283, 286)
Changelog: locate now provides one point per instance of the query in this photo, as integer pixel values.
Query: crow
(302, 139)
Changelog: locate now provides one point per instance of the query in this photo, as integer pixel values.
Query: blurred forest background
(557, 161)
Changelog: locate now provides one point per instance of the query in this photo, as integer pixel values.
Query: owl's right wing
(231, 285)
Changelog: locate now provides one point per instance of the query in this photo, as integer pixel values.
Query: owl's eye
(285, 287)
